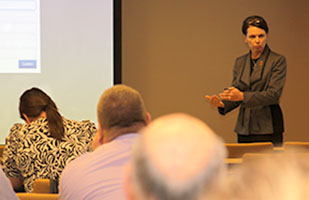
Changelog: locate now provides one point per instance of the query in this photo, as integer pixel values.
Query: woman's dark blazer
(262, 88)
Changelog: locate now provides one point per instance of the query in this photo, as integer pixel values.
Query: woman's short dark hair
(256, 21)
(33, 102)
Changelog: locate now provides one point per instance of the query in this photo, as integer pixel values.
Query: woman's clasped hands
(229, 94)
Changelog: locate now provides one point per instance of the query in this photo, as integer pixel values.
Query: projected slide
(19, 36)
(74, 63)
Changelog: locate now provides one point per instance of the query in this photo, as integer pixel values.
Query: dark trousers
(275, 138)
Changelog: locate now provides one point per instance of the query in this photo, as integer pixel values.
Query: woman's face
(256, 39)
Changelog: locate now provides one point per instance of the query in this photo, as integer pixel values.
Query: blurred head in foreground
(270, 176)
(178, 157)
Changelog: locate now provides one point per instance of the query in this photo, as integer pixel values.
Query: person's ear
(101, 133)
(245, 38)
(27, 120)
(148, 118)
(98, 138)
(43, 114)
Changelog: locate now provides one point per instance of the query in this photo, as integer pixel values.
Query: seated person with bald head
(98, 175)
(177, 157)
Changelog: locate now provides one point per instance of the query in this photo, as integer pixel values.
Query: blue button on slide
(27, 64)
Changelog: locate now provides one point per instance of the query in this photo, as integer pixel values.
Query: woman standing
(258, 80)
(44, 145)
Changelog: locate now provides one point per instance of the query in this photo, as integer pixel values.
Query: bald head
(172, 139)
(177, 156)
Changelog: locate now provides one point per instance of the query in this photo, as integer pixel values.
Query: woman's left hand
(232, 94)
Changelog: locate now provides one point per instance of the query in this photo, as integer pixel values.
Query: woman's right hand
(215, 101)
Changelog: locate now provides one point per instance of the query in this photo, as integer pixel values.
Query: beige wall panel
(176, 51)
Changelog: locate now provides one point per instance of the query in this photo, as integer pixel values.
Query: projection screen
(64, 47)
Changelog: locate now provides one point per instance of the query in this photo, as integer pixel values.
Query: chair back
(237, 150)
(37, 196)
(254, 157)
(41, 186)
(1, 149)
(301, 157)
(296, 146)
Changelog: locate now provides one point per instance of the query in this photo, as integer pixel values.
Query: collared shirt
(99, 174)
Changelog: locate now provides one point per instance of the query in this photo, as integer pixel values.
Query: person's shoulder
(79, 125)
(82, 159)
(72, 173)
(239, 61)
(77, 164)
(242, 57)
(277, 59)
(273, 53)
(276, 55)
(16, 131)
(16, 127)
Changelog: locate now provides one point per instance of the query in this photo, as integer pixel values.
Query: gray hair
(149, 181)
